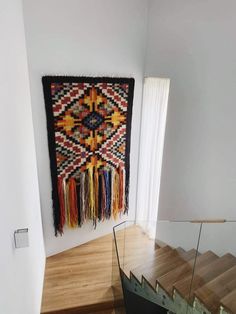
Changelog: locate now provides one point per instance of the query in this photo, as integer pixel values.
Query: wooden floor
(86, 279)
(79, 280)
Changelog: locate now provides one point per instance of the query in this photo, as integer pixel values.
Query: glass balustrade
(213, 286)
(189, 268)
(150, 268)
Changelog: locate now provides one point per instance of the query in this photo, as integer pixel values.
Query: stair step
(171, 279)
(157, 255)
(132, 262)
(167, 281)
(211, 294)
(162, 250)
(128, 248)
(183, 288)
(186, 255)
(229, 302)
(149, 258)
(160, 267)
(131, 255)
(181, 250)
(203, 274)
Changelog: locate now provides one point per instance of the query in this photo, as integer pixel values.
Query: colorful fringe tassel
(96, 194)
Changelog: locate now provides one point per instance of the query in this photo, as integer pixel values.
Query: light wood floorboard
(79, 280)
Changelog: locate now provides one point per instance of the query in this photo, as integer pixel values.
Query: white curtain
(153, 121)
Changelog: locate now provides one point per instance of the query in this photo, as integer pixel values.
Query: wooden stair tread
(181, 250)
(162, 269)
(159, 258)
(211, 293)
(204, 260)
(188, 256)
(134, 266)
(138, 270)
(162, 266)
(229, 302)
(184, 272)
(131, 256)
(205, 273)
(135, 261)
(160, 251)
(128, 247)
(167, 281)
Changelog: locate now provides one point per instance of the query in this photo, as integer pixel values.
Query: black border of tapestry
(89, 130)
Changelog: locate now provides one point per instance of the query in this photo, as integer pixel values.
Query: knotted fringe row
(96, 194)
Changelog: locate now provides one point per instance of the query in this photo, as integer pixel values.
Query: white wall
(82, 37)
(193, 43)
(21, 270)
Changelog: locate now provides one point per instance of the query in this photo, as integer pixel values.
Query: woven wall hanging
(89, 124)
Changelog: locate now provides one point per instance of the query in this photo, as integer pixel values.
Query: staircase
(86, 279)
(181, 281)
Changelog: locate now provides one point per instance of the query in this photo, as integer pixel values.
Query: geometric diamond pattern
(89, 125)
(87, 120)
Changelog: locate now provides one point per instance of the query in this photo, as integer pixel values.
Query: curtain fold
(153, 121)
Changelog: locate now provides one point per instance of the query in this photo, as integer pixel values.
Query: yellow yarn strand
(96, 191)
(115, 193)
(91, 195)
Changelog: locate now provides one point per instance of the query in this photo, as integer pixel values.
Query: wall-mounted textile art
(89, 124)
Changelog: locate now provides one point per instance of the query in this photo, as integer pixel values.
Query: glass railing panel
(214, 282)
(150, 268)
(119, 232)
(183, 239)
(118, 247)
(116, 282)
(138, 249)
